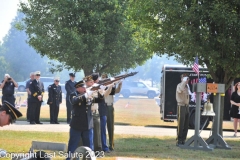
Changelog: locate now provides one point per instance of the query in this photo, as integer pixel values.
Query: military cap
(184, 75)
(88, 78)
(79, 84)
(104, 75)
(72, 74)
(95, 76)
(11, 110)
(37, 73)
(56, 79)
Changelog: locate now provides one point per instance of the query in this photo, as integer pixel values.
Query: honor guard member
(81, 125)
(109, 100)
(102, 108)
(29, 95)
(69, 86)
(8, 114)
(54, 100)
(7, 86)
(182, 97)
(37, 90)
(96, 120)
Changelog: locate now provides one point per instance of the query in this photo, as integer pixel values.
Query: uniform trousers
(183, 122)
(35, 111)
(97, 131)
(69, 109)
(54, 110)
(28, 109)
(76, 136)
(110, 126)
(103, 121)
(10, 98)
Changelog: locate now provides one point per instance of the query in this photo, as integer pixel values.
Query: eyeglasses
(56, 80)
(37, 74)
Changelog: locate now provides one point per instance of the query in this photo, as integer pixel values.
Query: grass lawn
(132, 111)
(126, 146)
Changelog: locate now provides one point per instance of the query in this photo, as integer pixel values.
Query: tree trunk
(87, 71)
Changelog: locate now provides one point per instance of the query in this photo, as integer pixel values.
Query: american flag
(195, 65)
(202, 80)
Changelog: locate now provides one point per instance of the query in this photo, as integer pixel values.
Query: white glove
(89, 93)
(102, 87)
(185, 79)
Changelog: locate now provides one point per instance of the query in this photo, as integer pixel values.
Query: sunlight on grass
(125, 146)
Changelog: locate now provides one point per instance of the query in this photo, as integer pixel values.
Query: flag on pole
(195, 65)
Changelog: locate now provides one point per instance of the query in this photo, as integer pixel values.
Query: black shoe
(32, 123)
(179, 143)
(52, 122)
(57, 123)
(107, 151)
(111, 149)
(39, 123)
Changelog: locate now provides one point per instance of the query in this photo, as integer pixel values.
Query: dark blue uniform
(82, 122)
(102, 108)
(8, 92)
(28, 100)
(36, 89)
(69, 86)
(54, 100)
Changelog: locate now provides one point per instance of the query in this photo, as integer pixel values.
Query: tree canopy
(187, 28)
(89, 35)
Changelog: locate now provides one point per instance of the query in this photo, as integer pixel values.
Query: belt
(8, 95)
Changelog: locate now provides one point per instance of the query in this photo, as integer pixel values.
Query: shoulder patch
(49, 86)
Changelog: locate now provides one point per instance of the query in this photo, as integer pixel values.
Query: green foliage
(89, 35)
(19, 59)
(186, 28)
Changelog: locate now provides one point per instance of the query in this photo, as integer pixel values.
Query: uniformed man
(81, 125)
(69, 86)
(29, 95)
(182, 97)
(8, 114)
(7, 86)
(54, 100)
(96, 118)
(37, 90)
(109, 100)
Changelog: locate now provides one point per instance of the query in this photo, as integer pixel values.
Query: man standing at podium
(182, 97)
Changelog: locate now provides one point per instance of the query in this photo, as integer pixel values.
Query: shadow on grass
(165, 148)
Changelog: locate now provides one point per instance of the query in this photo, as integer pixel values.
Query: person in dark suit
(29, 95)
(54, 100)
(81, 125)
(37, 90)
(7, 86)
(69, 86)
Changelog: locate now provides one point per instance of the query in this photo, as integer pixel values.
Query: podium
(216, 140)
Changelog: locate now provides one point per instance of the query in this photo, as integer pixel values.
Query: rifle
(108, 81)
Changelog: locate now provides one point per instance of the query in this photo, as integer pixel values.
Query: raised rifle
(108, 81)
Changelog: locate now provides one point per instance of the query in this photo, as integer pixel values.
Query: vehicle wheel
(21, 89)
(151, 95)
(202, 121)
(126, 93)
